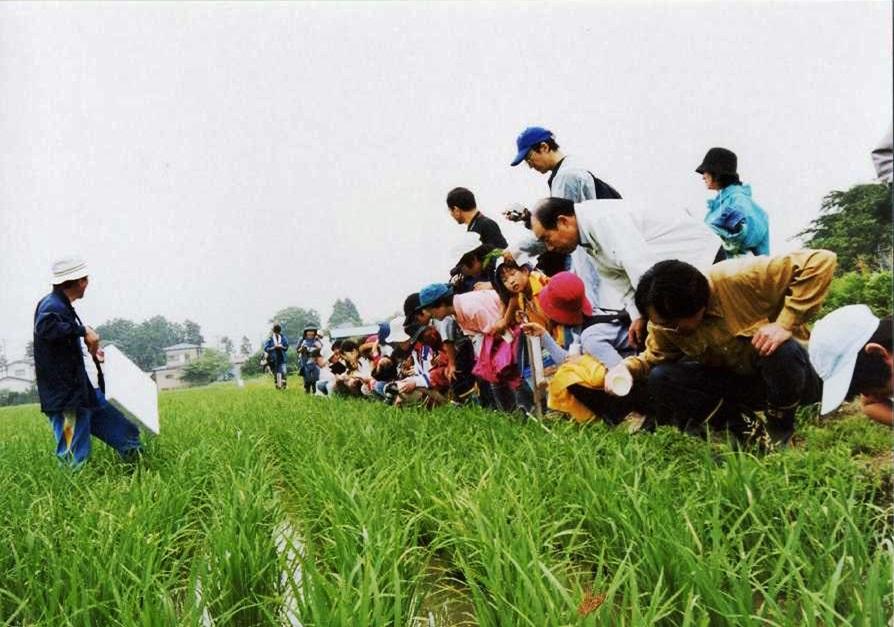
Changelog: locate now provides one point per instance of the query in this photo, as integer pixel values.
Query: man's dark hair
(551, 144)
(549, 210)
(66, 285)
(461, 198)
(348, 345)
(674, 289)
(336, 345)
(277, 328)
(872, 371)
(725, 180)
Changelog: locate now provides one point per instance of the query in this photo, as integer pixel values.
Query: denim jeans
(73, 431)
(688, 393)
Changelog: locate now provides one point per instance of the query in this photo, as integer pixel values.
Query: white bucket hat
(68, 269)
(835, 343)
(396, 331)
(465, 243)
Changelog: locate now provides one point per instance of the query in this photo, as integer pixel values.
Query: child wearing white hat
(850, 349)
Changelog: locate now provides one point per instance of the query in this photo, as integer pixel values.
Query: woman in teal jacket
(732, 214)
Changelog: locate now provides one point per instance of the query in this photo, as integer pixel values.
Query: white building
(177, 357)
(18, 376)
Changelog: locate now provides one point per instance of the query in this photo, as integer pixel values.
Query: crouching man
(851, 350)
(75, 408)
(731, 340)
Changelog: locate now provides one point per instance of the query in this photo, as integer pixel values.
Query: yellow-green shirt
(746, 294)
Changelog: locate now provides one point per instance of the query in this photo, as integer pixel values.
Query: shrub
(869, 288)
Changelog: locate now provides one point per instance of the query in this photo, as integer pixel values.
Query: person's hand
(406, 386)
(91, 339)
(498, 327)
(636, 334)
(507, 255)
(515, 212)
(770, 337)
(450, 371)
(533, 328)
(100, 355)
(482, 285)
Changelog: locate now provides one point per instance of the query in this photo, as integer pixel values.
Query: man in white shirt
(624, 242)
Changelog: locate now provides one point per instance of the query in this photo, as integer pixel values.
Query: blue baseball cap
(431, 293)
(529, 138)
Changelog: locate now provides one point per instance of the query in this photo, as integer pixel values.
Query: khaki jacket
(746, 294)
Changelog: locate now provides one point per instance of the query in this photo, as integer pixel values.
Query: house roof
(181, 346)
(343, 332)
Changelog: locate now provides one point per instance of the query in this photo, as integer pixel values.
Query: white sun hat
(835, 343)
(68, 269)
(396, 331)
(465, 243)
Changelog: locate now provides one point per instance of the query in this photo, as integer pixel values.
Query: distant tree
(856, 225)
(211, 366)
(245, 346)
(144, 343)
(252, 365)
(9, 397)
(192, 333)
(344, 314)
(29, 350)
(226, 344)
(119, 332)
(294, 319)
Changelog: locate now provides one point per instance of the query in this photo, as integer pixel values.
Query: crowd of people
(610, 312)
(604, 312)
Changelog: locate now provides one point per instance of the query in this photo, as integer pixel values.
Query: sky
(221, 161)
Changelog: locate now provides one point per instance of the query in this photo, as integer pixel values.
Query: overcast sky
(218, 162)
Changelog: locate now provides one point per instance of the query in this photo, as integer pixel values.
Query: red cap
(564, 299)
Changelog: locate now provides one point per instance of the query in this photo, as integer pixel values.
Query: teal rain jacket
(739, 221)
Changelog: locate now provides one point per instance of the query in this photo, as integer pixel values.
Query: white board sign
(130, 389)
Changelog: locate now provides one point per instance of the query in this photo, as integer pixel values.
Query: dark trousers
(462, 387)
(612, 409)
(687, 394)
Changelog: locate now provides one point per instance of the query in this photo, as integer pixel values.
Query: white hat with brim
(69, 269)
(465, 243)
(835, 344)
(396, 331)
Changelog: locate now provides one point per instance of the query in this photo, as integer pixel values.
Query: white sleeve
(622, 242)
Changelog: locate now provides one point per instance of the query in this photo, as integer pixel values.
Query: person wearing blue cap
(538, 148)
(569, 180)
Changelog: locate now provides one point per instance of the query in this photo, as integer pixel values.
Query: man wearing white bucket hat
(850, 349)
(75, 408)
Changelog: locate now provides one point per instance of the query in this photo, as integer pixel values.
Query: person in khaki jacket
(731, 339)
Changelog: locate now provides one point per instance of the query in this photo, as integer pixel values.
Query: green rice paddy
(256, 507)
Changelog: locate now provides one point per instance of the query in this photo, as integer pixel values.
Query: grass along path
(402, 513)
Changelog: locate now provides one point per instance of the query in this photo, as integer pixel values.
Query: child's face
(422, 316)
(438, 313)
(515, 279)
(310, 335)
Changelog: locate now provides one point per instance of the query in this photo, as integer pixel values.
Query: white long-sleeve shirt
(625, 241)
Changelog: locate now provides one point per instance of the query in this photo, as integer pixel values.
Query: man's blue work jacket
(62, 381)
